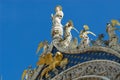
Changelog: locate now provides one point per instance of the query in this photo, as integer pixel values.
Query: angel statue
(111, 28)
(57, 27)
(43, 45)
(67, 34)
(113, 38)
(84, 36)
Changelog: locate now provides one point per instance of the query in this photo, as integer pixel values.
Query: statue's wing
(89, 32)
(45, 59)
(41, 61)
(115, 22)
(39, 47)
(23, 74)
(48, 58)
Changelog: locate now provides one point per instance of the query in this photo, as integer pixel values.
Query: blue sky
(24, 23)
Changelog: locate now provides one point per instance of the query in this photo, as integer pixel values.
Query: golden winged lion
(51, 62)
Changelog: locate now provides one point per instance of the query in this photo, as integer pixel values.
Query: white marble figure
(65, 42)
(84, 35)
(113, 38)
(67, 33)
(110, 30)
(57, 27)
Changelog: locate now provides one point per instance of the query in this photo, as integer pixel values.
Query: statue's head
(58, 8)
(86, 27)
(69, 24)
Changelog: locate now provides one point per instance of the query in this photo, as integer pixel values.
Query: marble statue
(57, 27)
(84, 36)
(113, 38)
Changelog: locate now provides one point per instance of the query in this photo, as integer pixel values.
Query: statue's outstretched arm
(89, 32)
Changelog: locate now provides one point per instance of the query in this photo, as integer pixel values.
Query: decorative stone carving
(104, 68)
(92, 77)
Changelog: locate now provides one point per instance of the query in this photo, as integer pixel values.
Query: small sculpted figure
(67, 34)
(84, 36)
(113, 38)
(110, 29)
